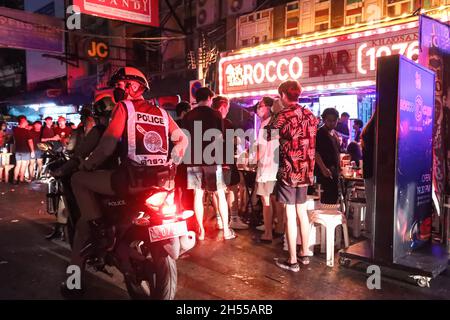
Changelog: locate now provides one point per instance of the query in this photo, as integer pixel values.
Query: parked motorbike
(148, 232)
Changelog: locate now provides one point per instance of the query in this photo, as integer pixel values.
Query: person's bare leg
(23, 169)
(304, 228)
(19, 164)
(1, 175)
(242, 194)
(31, 168)
(198, 209)
(232, 199)
(291, 232)
(223, 210)
(7, 169)
(40, 163)
(278, 212)
(215, 202)
(267, 216)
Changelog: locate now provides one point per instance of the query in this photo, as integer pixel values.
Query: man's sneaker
(219, 222)
(284, 264)
(236, 223)
(261, 228)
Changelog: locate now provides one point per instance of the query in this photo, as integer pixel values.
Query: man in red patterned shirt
(297, 129)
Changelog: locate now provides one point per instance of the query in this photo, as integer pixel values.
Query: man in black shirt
(21, 135)
(48, 134)
(205, 174)
(183, 196)
(327, 157)
(343, 130)
(357, 127)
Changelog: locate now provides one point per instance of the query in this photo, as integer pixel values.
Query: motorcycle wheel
(160, 279)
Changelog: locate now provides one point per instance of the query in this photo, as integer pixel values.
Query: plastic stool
(330, 219)
(358, 209)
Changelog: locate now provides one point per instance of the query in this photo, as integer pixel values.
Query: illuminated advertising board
(137, 11)
(414, 157)
(337, 62)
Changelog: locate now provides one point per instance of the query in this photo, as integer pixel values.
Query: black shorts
(231, 175)
(291, 195)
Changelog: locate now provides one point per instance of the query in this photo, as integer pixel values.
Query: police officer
(141, 131)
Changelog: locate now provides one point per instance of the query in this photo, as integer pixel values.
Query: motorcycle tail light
(156, 200)
(187, 214)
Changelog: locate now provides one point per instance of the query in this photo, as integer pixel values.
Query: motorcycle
(148, 234)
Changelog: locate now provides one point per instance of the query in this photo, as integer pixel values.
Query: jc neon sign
(98, 50)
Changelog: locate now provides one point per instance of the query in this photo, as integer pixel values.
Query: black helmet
(85, 112)
(128, 73)
(103, 105)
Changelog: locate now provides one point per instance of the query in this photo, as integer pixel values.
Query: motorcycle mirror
(43, 146)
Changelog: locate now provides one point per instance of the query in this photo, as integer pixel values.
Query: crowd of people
(304, 151)
(23, 142)
(293, 151)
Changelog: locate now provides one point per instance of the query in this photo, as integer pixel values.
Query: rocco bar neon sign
(347, 60)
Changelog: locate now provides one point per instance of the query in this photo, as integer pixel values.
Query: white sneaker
(237, 223)
(261, 228)
(219, 223)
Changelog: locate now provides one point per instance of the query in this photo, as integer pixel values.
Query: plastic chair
(329, 217)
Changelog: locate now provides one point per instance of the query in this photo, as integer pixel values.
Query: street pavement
(32, 267)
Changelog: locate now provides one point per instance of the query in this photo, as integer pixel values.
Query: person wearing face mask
(133, 119)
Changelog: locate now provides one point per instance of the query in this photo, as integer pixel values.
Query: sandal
(304, 260)
(231, 235)
(286, 265)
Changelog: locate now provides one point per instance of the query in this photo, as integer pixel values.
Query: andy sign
(134, 11)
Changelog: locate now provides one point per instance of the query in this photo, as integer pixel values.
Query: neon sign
(319, 65)
(408, 49)
(248, 74)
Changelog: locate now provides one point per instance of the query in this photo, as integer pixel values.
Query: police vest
(148, 135)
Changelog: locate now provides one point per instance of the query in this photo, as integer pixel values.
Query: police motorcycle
(147, 230)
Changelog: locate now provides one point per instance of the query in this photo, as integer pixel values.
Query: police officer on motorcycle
(141, 131)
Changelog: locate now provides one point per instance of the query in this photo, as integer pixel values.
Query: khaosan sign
(331, 63)
(134, 11)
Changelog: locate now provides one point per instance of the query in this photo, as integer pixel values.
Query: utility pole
(202, 59)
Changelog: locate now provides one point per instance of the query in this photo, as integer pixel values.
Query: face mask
(119, 94)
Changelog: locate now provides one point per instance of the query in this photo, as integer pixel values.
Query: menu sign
(414, 157)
